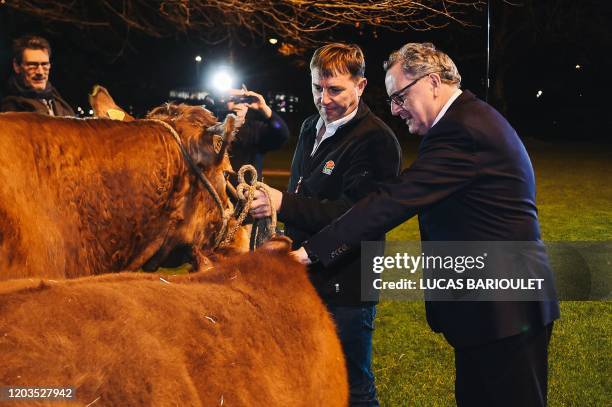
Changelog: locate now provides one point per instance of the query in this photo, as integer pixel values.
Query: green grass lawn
(414, 367)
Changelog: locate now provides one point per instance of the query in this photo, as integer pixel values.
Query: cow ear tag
(328, 167)
(115, 114)
(217, 143)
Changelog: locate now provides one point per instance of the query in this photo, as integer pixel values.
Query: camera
(236, 99)
(218, 105)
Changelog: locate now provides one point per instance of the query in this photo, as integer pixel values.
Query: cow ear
(225, 131)
(103, 105)
(202, 150)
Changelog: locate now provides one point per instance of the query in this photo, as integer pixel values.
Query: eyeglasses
(398, 97)
(32, 66)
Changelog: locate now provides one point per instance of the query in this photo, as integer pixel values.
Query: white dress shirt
(331, 128)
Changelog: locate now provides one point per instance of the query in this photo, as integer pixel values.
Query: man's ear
(16, 67)
(361, 84)
(435, 81)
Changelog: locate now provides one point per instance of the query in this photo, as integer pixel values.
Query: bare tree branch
(299, 22)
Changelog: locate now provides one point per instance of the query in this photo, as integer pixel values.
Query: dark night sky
(541, 57)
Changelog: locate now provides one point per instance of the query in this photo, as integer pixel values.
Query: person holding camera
(259, 130)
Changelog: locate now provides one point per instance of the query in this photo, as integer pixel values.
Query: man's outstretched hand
(301, 256)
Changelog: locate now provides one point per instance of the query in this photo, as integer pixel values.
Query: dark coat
(472, 181)
(21, 99)
(360, 154)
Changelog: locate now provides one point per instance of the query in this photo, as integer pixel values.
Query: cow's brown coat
(82, 197)
(250, 332)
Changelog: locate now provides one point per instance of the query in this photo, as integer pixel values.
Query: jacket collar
(16, 87)
(465, 97)
(362, 111)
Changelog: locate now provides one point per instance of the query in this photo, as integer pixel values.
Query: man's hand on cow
(301, 256)
(260, 207)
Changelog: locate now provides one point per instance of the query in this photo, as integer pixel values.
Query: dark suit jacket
(472, 181)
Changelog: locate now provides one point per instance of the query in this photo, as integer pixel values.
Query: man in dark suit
(471, 181)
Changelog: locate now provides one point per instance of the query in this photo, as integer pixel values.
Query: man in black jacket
(29, 89)
(472, 181)
(342, 152)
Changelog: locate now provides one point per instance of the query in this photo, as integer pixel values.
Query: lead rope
(246, 192)
(225, 213)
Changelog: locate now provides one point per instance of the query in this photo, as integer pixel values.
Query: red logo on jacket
(328, 167)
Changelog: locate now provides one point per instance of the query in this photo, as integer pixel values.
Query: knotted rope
(246, 193)
(225, 235)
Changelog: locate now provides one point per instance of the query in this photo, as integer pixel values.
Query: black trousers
(510, 372)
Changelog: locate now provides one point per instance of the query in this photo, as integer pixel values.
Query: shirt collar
(331, 128)
(448, 103)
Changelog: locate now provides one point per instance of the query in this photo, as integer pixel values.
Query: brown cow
(250, 332)
(81, 197)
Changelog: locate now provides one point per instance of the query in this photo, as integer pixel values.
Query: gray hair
(29, 42)
(418, 59)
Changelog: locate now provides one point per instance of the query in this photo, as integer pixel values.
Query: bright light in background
(578, 66)
(539, 94)
(223, 79)
(198, 58)
(273, 41)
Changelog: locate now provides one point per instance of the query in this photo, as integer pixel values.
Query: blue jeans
(355, 325)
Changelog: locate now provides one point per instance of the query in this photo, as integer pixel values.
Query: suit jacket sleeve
(378, 159)
(445, 164)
